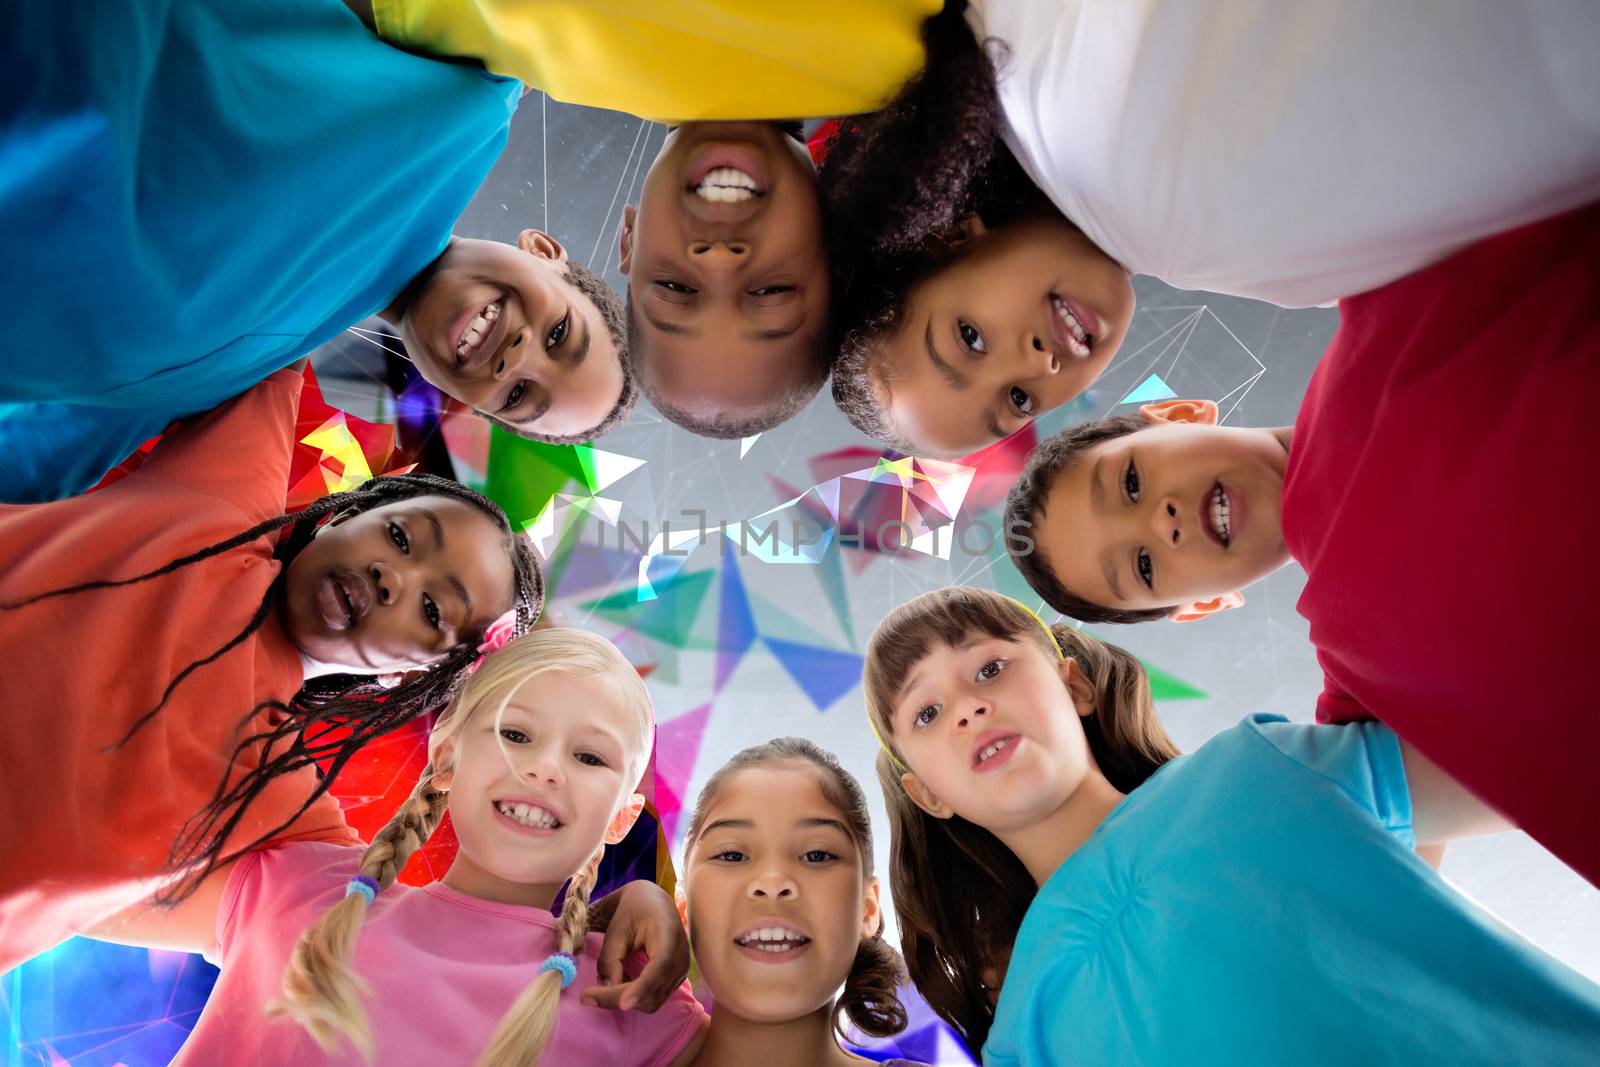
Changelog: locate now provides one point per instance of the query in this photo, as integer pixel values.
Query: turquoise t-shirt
(1258, 902)
(193, 194)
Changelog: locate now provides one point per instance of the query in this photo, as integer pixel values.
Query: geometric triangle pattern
(1149, 390)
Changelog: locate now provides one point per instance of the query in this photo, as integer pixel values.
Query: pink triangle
(677, 747)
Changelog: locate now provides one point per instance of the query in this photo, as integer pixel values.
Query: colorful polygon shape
(1151, 389)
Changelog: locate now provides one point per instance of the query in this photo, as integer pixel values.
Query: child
(1257, 901)
(1422, 472)
(237, 185)
(1211, 145)
(725, 253)
(782, 909)
(535, 761)
(182, 650)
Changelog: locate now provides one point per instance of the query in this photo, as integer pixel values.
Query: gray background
(570, 170)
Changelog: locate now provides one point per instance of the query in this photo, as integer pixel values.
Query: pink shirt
(443, 968)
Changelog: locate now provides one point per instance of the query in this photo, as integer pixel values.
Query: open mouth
(993, 749)
(530, 816)
(727, 185)
(341, 600)
(777, 941)
(1218, 515)
(472, 336)
(1072, 326)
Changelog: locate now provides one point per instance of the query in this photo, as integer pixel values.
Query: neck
(1045, 845)
(396, 311)
(467, 877)
(803, 1042)
(1284, 435)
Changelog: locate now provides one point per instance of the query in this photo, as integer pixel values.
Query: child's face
(776, 867)
(1180, 514)
(985, 345)
(534, 791)
(990, 732)
(500, 328)
(727, 267)
(398, 586)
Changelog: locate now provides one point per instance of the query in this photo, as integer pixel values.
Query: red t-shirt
(88, 827)
(1442, 495)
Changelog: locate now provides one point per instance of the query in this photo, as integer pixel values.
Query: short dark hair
(1025, 509)
(724, 424)
(609, 304)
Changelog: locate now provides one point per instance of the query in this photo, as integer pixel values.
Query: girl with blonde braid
(325, 960)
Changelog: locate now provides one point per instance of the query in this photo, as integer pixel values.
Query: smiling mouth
(530, 815)
(993, 749)
(727, 185)
(477, 332)
(1219, 522)
(774, 940)
(1068, 330)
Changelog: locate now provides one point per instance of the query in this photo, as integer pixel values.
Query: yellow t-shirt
(680, 60)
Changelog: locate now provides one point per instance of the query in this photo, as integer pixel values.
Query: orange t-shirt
(86, 832)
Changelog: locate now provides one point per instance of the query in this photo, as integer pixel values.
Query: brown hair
(950, 930)
(321, 989)
(871, 991)
(1053, 457)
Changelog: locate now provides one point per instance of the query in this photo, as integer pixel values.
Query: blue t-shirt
(194, 193)
(1259, 902)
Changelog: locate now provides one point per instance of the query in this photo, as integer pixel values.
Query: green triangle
(1164, 686)
(586, 471)
(670, 617)
(525, 475)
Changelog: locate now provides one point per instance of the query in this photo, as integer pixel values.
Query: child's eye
(677, 287)
(398, 536)
(970, 336)
(558, 332)
(515, 736)
(1021, 400)
(728, 855)
(1130, 482)
(1141, 563)
(991, 670)
(772, 290)
(819, 855)
(590, 759)
(430, 611)
(514, 397)
(926, 715)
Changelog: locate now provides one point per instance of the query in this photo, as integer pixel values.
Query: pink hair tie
(499, 634)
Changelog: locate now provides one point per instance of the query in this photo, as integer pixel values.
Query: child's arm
(189, 926)
(1441, 808)
(639, 917)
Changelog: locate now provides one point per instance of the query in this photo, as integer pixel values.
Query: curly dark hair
(1025, 509)
(896, 186)
(612, 313)
(332, 716)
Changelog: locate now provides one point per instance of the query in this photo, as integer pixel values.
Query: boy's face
(1021, 321)
(500, 328)
(727, 267)
(1184, 513)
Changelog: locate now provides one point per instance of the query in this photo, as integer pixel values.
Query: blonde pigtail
(524, 1030)
(321, 990)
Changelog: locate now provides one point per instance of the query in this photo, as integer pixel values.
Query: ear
(335, 519)
(624, 819)
(1198, 412)
(1078, 686)
(443, 758)
(1201, 609)
(625, 241)
(871, 910)
(538, 243)
(923, 797)
(968, 228)
(682, 902)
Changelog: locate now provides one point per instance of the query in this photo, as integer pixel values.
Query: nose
(772, 883)
(386, 583)
(1038, 357)
(719, 257)
(543, 763)
(514, 355)
(1168, 522)
(972, 716)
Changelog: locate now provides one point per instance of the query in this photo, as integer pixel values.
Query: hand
(643, 918)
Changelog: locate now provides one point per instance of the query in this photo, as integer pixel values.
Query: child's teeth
(984, 756)
(527, 815)
(478, 328)
(1077, 336)
(726, 185)
(1220, 518)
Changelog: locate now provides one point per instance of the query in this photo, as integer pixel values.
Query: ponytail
(871, 997)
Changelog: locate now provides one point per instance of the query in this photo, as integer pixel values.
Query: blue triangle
(1153, 388)
(824, 674)
(736, 626)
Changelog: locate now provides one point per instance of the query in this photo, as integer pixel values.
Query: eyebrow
(1097, 492)
(746, 824)
(777, 333)
(582, 352)
(669, 327)
(1108, 566)
(951, 375)
(438, 546)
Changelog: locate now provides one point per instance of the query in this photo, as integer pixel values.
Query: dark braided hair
(896, 186)
(332, 716)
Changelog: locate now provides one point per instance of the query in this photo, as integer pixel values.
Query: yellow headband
(1034, 615)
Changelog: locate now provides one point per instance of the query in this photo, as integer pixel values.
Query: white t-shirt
(1299, 151)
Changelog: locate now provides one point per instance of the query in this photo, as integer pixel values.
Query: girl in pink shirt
(326, 960)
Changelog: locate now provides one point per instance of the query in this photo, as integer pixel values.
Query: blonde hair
(322, 991)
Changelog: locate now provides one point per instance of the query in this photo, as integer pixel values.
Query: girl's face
(777, 899)
(398, 586)
(992, 341)
(535, 790)
(990, 732)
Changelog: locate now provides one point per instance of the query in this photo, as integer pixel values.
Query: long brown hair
(950, 929)
(870, 998)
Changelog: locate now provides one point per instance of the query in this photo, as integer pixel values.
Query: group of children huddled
(198, 193)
